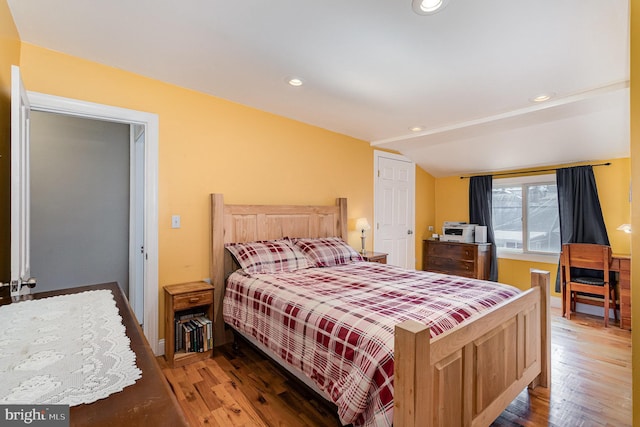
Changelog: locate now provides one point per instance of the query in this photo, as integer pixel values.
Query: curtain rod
(534, 171)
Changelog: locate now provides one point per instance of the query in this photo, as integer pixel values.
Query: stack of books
(194, 332)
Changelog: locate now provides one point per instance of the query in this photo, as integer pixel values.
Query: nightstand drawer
(192, 299)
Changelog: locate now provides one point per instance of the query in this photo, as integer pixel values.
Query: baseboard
(160, 347)
(594, 310)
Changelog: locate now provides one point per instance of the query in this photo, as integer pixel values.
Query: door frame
(84, 109)
(20, 260)
(377, 154)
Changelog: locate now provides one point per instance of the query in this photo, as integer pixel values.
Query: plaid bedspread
(336, 324)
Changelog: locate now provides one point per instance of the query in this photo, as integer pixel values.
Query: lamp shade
(362, 224)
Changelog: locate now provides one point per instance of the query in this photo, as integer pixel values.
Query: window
(525, 215)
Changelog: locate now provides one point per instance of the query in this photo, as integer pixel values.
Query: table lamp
(363, 225)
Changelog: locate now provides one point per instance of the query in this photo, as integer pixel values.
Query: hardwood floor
(590, 385)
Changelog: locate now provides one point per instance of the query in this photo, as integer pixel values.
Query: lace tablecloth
(68, 349)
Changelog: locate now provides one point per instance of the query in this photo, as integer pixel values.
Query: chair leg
(607, 297)
(568, 303)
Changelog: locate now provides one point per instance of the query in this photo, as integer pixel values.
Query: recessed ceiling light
(428, 7)
(295, 81)
(416, 128)
(542, 97)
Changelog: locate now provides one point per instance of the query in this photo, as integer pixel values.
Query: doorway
(147, 185)
(79, 194)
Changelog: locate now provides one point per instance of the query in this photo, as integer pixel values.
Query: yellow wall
(452, 204)
(9, 55)
(635, 206)
(452, 200)
(212, 145)
(425, 210)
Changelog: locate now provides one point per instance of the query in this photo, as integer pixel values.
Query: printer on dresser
(457, 258)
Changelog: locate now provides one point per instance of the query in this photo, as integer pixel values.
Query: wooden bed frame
(464, 377)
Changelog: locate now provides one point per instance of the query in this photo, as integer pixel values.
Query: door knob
(409, 231)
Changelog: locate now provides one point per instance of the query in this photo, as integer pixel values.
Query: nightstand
(188, 327)
(379, 257)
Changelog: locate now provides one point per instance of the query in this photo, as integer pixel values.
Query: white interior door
(137, 218)
(20, 109)
(394, 208)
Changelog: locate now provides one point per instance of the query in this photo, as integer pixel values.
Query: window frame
(521, 254)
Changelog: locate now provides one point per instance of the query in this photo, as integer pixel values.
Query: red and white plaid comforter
(336, 324)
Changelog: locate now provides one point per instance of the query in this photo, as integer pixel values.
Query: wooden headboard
(247, 223)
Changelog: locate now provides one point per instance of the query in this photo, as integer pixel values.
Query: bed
(150, 401)
(465, 375)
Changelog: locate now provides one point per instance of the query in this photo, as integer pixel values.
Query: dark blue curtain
(480, 207)
(581, 219)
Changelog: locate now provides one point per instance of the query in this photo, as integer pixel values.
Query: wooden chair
(592, 257)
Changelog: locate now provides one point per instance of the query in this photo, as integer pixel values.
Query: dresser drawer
(451, 250)
(192, 299)
(453, 266)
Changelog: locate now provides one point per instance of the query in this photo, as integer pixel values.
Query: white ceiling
(373, 68)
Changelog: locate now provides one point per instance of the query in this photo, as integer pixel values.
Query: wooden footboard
(469, 375)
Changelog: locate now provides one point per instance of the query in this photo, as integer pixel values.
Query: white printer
(453, 231)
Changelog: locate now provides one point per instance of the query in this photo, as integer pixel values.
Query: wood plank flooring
(590, 385)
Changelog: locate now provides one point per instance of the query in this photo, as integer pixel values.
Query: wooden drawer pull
(194, 299)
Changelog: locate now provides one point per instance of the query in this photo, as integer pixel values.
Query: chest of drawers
(460, 259)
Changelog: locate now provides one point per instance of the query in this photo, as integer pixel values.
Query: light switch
(175, 221)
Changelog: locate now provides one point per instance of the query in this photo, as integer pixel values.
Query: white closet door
(394, 209)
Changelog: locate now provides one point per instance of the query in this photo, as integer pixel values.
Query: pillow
(327, 251)
(268, 257)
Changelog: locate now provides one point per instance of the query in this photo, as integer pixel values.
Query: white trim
(528, 256)
(525, 182)
(78, 108)
(528, 179)
(20, 263)
(388, 155)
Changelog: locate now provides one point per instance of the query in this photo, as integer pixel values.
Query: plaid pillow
(327, 251)
(268, 257)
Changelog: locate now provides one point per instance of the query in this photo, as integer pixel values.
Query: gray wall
(79, 201)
